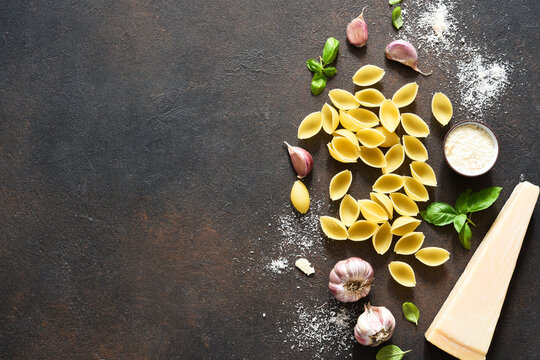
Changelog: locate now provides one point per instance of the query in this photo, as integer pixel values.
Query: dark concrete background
(141, 157)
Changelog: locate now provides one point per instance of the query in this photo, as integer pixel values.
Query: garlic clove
(404, 52)
(301, 160)
(357, 32)
(374, 326)
(350, 279)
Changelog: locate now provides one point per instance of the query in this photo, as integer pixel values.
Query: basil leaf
(459, 221)
(314, 66)
(394, 2)
(330, 50)
(483, 199)
(318, 83)
(397, 20)
(439, 214)
(465, 236)
(411, 312)
(329, 71)
(390, 352)
(462, 202)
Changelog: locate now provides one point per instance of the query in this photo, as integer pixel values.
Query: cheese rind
(465, 324)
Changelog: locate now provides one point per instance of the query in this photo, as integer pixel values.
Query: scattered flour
(278, 265)
(480, 77)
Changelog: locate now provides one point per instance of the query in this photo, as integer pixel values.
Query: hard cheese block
(465, 324)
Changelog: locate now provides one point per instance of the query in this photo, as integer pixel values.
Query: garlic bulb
(301, 160)
(357, 32)
(374, 326)
(350, 279)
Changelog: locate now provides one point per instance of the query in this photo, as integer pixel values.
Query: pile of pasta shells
(361, 134)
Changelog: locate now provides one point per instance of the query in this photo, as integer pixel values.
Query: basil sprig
(441, 214)
(411, 312)
(394, 2)
(397, 20)
(320, 69)
(390, 352)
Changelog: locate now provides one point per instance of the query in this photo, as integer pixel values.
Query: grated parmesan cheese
(470, 150)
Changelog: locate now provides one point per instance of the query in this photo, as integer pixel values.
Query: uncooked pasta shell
(369, 97)
(404, 225)
(389, 115)
(414, 148)
(423, 173)
(349, 210)
(404, 205)
(394, 158)
(370, 138)
(365, 118)
(402, 273)
(339, 185)
(382, 239)
(330, 118)
(409, 244)
(390, 138)
(388, 183)
(300, 197)
(415, 190)
(337, 156)
(368, 75)
(432, 256)
(333, 228)
(310, 126)
(347, 134)
(383, 201)
(372, 211)
(405, 95)
(349, 122)
(343, 100)
(345, 148)
(414, 125)
(441, 108)
(373, 157)
(362, 230)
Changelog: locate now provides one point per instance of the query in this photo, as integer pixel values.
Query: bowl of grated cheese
(471, 148)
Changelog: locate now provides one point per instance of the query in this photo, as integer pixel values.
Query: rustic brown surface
(142, 174)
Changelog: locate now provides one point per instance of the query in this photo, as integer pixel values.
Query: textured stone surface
(141, 163)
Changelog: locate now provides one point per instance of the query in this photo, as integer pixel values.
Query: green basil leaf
(462, 202)
(314, 66)
(397, 20)
(465, 236)
(411, 312)
(390, 352)
(394, 2)
(483, 199)
(318, 83)
(330, 50)
(329, 71)
(439, 214)
(459, 221)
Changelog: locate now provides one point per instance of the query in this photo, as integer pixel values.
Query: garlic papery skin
(350, 279)
(404, 52)
(357, 32)
(301, 160)
(375, 325)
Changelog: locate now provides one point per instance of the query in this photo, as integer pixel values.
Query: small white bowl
(491, 134)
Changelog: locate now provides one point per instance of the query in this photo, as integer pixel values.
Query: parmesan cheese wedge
(465, 324)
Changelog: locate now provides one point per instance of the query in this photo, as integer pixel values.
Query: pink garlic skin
(375, 325)
(350, 279)
(404, 52)
(301, 160)
(357, 32)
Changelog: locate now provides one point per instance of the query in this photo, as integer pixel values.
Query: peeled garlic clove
(374, 326)
(301, 160)
(357, 32)
(350, 279)
(300, 197)
(404, 52)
